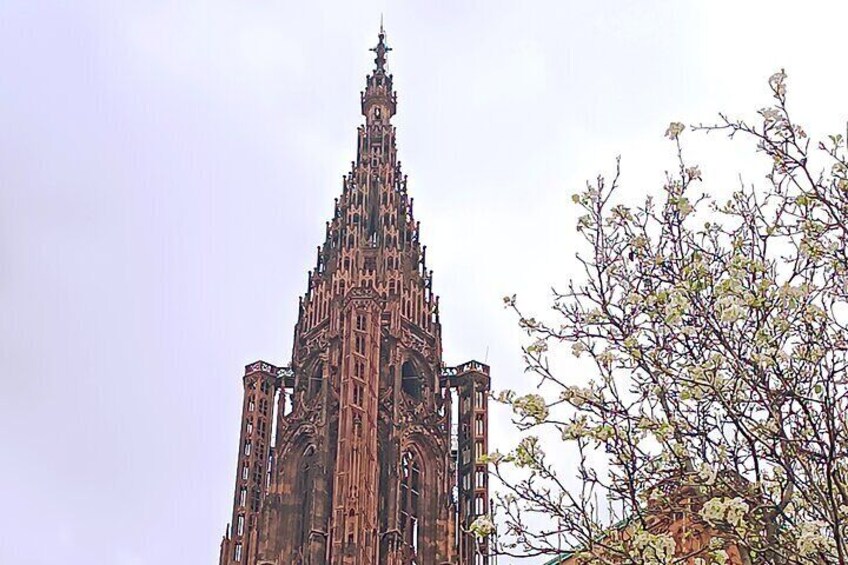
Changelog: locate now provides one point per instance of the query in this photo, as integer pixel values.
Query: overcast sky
(166, 169)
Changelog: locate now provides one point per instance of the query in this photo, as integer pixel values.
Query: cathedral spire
(363, 451)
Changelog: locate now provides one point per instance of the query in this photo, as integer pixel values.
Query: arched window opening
(410, 503)
(351, 527)
(254, 500)
(410, 380)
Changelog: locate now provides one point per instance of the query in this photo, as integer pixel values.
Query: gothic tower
(372, 458)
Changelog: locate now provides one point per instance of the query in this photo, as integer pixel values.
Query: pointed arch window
(410, 503)
(410, 380)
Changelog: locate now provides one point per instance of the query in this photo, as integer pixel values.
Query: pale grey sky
(166, 169)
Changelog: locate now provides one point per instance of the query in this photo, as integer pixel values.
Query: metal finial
(381, 49)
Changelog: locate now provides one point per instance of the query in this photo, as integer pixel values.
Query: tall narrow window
(315, 379)
(237, 553)
(306, 488)
(240, 525)
(242, 496)
(479, 505)
(481, 479)
(410, 503)
(351, 525)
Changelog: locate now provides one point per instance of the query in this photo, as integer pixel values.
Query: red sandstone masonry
(366, 466)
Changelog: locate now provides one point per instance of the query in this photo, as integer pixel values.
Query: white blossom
(654, 549)
(531, 406)
(674, 130)
(482, 527)
(578, 348)
(730, 510)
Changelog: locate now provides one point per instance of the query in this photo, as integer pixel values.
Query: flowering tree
(717, 339)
